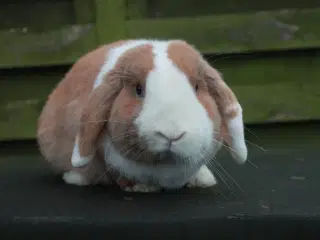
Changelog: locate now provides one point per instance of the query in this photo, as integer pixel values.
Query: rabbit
(148, 114)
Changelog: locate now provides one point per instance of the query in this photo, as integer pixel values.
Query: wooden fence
(268, 51)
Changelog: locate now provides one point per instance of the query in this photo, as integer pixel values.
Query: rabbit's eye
(139, 90)
(196, 87)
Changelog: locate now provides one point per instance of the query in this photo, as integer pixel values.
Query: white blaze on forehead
(113, 56)
(161, 81)
(168, 85)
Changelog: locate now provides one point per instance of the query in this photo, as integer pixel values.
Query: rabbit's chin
(169, 171)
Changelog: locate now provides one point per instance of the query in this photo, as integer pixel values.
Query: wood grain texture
(43, 33)
(196, 8)
(229, 33)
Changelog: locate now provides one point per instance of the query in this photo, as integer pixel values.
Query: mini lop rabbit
(153, 112)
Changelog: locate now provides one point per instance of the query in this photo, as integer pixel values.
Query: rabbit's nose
(172, 137)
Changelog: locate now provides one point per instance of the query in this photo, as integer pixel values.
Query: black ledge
(275, 195)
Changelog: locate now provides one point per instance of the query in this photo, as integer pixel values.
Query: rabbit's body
(151, 111)
(59, 122)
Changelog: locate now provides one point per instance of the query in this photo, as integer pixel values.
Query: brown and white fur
(152, 111)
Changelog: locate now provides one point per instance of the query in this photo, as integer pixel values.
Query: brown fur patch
(223, 95)
(133, 67)
(232, 114)
(187, 59)
(96, 111)
(59, 121)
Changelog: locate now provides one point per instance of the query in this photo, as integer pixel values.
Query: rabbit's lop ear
(231, 113)
(93, 120)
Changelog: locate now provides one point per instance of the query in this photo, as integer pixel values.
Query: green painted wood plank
(84, 11)
(196, 8)
(275, 88)
(227, 33)
(137, 9)
(53, 47)
(110, 20)
(23, 94)
(287, 101)
(50, 33)
(36, 15)
(269, 88)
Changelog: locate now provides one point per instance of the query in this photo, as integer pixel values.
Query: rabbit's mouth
(142, 155)
(165, 168)
(166, 158)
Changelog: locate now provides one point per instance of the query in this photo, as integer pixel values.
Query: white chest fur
(167, 176)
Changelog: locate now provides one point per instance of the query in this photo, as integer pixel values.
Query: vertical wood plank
(110, 20)
(137, 9)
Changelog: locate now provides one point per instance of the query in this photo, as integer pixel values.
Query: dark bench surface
(280, 196)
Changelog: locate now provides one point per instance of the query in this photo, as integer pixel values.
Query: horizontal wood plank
(274, 88)
(228, 33)
(23, 94)
(45, 32)
(55, 47)
(42, 15)
(198, 8)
